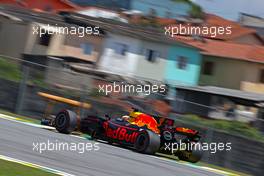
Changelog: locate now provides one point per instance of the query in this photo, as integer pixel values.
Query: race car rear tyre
(191, 156)
(147, 142)
(66, 121)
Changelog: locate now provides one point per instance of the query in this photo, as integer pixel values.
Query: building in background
(229, 65)
(85, 48)
(133, 54)
(251, 20)
(183, 65)
(164, 8)
(254, 22)
(240, 33)
(142, 52)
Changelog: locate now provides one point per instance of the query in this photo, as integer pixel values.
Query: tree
(195, 11)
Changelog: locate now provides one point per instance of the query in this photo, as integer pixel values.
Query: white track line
(18, 120)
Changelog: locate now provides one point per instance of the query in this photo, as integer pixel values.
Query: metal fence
(19, 92)
(20, 84)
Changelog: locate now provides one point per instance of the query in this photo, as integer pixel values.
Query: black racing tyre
(147, 142)
(192, 156)
(66, 121)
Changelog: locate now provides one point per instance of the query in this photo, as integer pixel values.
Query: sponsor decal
(121, 134)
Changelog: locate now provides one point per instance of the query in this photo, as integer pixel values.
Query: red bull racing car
(139, 131)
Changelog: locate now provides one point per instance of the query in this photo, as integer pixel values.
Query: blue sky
(231, 8)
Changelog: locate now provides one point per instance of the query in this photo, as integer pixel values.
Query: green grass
(234, 127)
(8, 168)
(9, 70)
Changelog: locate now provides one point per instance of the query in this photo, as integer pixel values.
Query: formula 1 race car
(160, 136)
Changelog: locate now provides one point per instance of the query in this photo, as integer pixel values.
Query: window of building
(121, 49)
(45, 39)
(182, 63)
(152, 55)
(208, 68)
(261, 76)
(87, 48)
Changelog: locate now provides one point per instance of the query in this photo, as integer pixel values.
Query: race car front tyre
(147, 142)
(66, 121)
(192, 156)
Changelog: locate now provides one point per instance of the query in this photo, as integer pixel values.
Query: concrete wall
(188, 76)
(229, 73)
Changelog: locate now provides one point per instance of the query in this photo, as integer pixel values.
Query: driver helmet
(126, 117)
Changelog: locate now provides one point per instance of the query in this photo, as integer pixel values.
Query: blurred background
(214, 84)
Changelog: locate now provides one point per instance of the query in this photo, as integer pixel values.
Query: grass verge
(8, 168)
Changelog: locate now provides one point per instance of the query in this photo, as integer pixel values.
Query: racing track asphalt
(16, 141)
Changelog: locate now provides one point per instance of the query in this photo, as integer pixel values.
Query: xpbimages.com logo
(65, 30)
(80, 147)
(212, 147)
(130, 88)
(189, 30)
